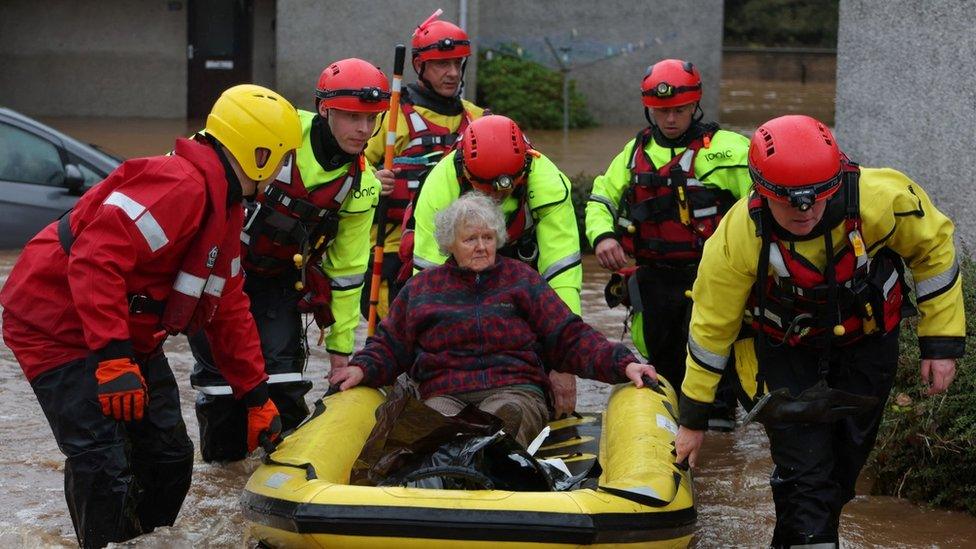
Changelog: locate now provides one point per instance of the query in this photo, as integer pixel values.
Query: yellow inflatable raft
(301, 496)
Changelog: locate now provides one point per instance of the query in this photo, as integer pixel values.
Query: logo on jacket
(212, 258)
(726, 154)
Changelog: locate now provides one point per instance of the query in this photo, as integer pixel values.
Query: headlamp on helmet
(671, 83)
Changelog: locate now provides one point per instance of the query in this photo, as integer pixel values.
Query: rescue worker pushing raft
(813, 263)
(154, 249)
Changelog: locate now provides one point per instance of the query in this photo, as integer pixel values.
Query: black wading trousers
(121, 479)
(223, 419)
(817, 464)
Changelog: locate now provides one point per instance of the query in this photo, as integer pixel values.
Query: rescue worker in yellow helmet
(305, 244)
(812, 263)
(495, 158)
(658, 202)
(432, 117)
(152, 250)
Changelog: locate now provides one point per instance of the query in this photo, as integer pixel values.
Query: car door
(33, 190)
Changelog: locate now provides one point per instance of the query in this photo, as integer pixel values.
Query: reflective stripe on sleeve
(151, 230)
(189, 284)
(709, 360)
(939, 283)
(606, 202)
(561, 265)
(215, 285)
(235, 266)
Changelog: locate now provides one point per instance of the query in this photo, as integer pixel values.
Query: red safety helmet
(353, 85)
(436, 39)
(671, 83)
(795, 159)
(494, 154)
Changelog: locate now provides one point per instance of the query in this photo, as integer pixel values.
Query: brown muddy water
(734, 504)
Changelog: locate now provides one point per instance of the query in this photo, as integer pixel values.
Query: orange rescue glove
(263, 420)
(121, 389)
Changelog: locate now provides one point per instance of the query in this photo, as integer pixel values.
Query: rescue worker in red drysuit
(815, 256)
(152, 250)
(658, 201)
(319, 210)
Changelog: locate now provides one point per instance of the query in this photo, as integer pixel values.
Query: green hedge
(926, 449)
(528, 93)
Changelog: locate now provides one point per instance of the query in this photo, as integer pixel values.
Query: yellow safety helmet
(249, 120)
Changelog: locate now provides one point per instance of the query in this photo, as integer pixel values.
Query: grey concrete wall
(312, 34)
(87, 58)
(264, 44)
(672, 28)
(906, 96)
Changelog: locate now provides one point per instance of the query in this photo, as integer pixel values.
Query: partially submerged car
(43, 172)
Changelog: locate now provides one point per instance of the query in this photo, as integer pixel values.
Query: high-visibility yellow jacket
(550, 201)
(376, 148)
(895, 213)
(344, 261)
(722, 165)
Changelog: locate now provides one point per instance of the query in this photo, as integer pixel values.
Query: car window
(26, 158)
(91, 176)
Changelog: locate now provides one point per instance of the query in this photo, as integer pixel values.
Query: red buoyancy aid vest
(427, 143)
(288, 219)
(797, 306)
(668, 213)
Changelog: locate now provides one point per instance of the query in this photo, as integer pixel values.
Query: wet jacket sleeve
(569, 344)
(345, 261)
(922, 235)
(603, 205)
(725, 278)
(557, 234)
(440, 189)
(390, 351)
(142, 219)
(234, 339)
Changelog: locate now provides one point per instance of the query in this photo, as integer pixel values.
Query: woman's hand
(347, 377)
(635, 371)
(686, 445)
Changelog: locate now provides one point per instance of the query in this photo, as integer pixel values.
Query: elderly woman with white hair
(479, 329)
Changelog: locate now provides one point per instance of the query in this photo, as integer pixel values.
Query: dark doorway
(219, 50)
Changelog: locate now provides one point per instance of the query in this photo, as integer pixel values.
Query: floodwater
(734, 503)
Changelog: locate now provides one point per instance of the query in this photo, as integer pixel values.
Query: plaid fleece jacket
(454, 331)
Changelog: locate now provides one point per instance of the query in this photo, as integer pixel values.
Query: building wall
(670, 28)
(906, 95)
(86, 58)
(128, 57)
(311, 34)
(265, 60)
